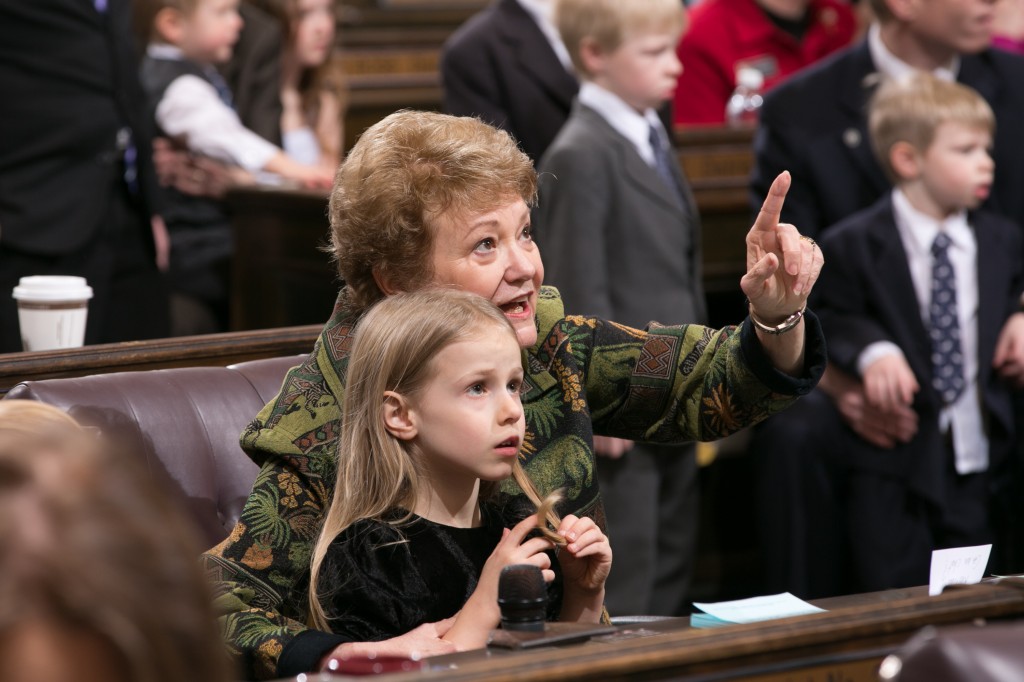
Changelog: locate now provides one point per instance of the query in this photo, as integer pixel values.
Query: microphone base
(553, 634)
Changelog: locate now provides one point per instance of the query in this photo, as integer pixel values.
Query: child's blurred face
(956, 169)
(313, 28)
(211, 31)
(643, 70)
(469, 416)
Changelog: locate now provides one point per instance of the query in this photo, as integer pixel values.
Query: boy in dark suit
(917, 290)
(815, 126)
(619, 231)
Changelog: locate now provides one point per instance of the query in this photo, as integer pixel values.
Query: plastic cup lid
(52, 288)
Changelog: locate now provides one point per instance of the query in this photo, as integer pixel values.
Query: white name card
(958, 566)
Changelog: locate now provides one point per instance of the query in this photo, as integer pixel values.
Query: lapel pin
(871, 80)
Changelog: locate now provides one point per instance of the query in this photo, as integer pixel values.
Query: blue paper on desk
(750, 610)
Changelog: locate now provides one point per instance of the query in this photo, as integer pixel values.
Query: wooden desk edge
(185, 351)
(867, 630)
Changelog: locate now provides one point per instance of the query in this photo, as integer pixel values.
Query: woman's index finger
(771, 210)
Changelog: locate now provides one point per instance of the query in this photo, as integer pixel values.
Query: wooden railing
(185, 351)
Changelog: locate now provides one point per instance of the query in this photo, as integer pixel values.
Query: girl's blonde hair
(88, 540)
(395, 343)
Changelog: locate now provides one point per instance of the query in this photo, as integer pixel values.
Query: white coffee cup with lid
(52, 311)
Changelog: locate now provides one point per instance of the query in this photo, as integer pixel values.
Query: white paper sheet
(758, 608)
(958, 566)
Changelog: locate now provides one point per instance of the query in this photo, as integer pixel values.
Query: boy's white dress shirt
(632, 125)
(192, 110)
(891, 66)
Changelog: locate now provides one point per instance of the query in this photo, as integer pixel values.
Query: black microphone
(522, 598)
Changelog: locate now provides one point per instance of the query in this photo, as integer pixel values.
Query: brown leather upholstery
(963, 653)
(185, 422)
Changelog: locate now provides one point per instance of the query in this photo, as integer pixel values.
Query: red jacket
(727, 34)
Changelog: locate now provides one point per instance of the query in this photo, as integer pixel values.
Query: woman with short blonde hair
(425, 199)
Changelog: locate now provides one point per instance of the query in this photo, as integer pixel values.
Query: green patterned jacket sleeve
(261, 570)
(671, 383)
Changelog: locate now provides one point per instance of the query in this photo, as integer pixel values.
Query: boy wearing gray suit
(619, 232)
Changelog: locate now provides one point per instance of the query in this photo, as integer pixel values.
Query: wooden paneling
(377, 22)
(717, 162)
(281, 274)
(390, 51)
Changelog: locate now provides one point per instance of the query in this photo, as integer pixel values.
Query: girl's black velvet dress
(379, 581)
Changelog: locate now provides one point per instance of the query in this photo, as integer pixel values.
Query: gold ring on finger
(808, 239)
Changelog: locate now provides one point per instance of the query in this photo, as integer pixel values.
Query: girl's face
(313, 31)
(468, 420)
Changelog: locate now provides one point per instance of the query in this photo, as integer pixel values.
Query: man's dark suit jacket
(69, 81)
(815, 126)
(866, 294)
(500, 67)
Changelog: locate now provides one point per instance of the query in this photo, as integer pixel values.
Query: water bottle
(742, 108)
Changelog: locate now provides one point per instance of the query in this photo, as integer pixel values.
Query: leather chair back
(185, 422)
(989, 652)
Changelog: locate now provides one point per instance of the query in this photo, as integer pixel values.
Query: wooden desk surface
(844, 644)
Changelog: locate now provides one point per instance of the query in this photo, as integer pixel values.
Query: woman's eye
(527, 233)
(485, 244)
(476, 389)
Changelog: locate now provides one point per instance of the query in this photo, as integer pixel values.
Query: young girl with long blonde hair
(313, 89)
(418, 529)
